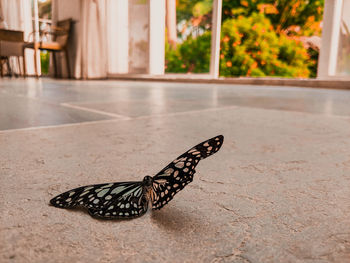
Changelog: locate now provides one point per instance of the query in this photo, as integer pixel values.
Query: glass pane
(188, 36)
(45, 16)
(343, 62)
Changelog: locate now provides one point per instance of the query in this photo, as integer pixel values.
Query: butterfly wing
(113, 200)
(176, 175)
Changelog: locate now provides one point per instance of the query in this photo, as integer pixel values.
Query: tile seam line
(114, 115)
(113, 120)
(158, 116)
(65, 104)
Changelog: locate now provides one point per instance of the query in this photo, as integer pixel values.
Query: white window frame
(215, 39)
(328, 58)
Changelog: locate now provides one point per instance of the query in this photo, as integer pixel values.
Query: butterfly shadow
(84, 211)
(173, 219)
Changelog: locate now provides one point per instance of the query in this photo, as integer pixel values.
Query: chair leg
(19, 66)
(1, 72)
(36, 61)
(67, 62)
(9, 67)
(54, 63)
(24, 64)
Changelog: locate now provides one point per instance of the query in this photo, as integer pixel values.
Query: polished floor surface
(45, 102)
(278, 190)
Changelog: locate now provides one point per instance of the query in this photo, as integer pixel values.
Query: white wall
(138, 36)
(118, 36)
(156, 37)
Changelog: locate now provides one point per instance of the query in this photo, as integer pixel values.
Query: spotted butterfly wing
(114, 200)
(130, 199)
(176, 175)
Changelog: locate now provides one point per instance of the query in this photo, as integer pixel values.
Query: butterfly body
(131, 199)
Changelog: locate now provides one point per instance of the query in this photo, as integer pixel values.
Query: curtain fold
(91, 52)
(87, 46)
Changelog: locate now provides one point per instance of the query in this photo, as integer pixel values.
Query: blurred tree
(193, 15)
(184, 9)
(288, 16)
(44, 8)
(249, 47)
(192, 56)
(281, 49)
(292, 16)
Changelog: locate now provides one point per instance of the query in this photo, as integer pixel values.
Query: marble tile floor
(46, 102)
(277, 191)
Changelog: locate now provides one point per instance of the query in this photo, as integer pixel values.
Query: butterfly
(131, 199)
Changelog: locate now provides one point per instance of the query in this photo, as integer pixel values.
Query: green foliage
(313, 62)
(193, 14)
(186, 9)
(249, 47)
(258, 37)
(202, 8)
(193, 55)
(45, 62)
(283, 14)
(45, 8)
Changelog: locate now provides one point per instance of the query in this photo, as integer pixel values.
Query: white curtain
(88, 43)
(92, 44)
(17, 15)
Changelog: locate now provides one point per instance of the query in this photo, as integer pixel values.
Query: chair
(11, 42)
(61, 35)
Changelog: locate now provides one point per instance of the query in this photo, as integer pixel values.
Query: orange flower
(263, 62)
(229, 64)
(183, 66)
(256, 43)
(226, 39)
(244, 3)
(267, 9)
(254, 65)
(222, 56)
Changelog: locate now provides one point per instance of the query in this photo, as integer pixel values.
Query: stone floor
(277, 191)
